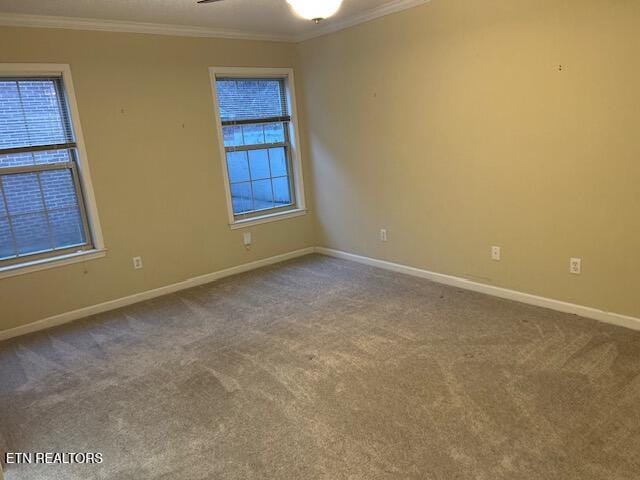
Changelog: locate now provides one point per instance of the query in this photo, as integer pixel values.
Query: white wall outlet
(383, 235)
(246, 239)
(137, 263)
(496, 253)
(575, 266)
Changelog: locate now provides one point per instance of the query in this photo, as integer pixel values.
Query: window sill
(53, 262)
(272, 217)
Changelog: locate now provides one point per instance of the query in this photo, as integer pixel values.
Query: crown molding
(366, 16)
(77, 23)
(73, 23)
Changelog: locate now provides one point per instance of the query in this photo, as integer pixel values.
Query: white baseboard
(588, 312)
(149, 294)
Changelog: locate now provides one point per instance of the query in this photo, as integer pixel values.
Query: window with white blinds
(42, 209)
(258, 132)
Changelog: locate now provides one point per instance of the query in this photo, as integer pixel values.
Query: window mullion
(36, 168)
(242, 134)
(258, 146)
(38, 148)
(255, 121)
(253, 200)
(9, 221)
(273, 192)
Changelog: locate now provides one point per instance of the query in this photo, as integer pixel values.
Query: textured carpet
(326, 369)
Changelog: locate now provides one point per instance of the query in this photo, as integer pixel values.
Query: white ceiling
(250, 18)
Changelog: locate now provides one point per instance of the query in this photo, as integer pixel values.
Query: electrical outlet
(575, 266)
(496, 253)
(383, 235)
(246, 238)
(137, 263)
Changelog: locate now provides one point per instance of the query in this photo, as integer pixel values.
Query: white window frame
(99, 250)
(296, 159)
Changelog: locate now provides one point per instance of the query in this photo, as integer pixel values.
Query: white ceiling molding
(75, 23)
(366, 16)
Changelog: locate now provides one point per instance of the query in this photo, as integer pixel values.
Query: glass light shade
(315, 9)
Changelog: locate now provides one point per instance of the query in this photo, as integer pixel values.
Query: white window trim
(296, 157)
(99, 249)
(51, 262)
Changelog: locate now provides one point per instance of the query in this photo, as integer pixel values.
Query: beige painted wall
(158, 185)
(451, 125)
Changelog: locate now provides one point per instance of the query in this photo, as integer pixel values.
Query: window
(43, 211)
(256, 120)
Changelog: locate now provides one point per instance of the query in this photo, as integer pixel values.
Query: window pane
(241, 196)
(278, 160)
(12, 126)
(6, 241)
(274, 133)
(262, 194)
(59, 189)
(22, 193)
(52, 156)
(38, 225)
(32, 113)
(3, 208)
(259, 162)
(16, 160)
(238, 167)
(32, 233)
(253, 134)
(34, 158)
(281, 191)
(66, 228)
(232, 136)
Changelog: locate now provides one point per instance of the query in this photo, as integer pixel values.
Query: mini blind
(252, 100)
(33, 116)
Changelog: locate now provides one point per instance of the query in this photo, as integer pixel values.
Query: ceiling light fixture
(316, 10)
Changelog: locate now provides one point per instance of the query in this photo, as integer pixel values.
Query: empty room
(320, 239)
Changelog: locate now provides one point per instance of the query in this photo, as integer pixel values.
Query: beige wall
(451, 125)
(156, 169)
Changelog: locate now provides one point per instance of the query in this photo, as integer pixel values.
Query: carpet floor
(324, 369)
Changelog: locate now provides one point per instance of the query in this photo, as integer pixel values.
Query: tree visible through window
(255, 119)
(41, 207)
